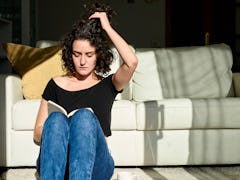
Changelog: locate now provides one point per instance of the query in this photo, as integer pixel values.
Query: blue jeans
(74, 148)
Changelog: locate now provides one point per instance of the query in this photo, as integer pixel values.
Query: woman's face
(84, 57)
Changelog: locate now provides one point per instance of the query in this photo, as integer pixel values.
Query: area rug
(148, 173)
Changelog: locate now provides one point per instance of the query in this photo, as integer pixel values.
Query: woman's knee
(84, 118)
(56, 120)
(56, 129)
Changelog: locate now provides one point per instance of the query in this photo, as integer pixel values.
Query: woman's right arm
(41, 118)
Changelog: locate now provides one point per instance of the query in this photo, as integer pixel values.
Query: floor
(148, 173)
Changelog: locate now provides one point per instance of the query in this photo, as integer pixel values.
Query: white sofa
(181, 108)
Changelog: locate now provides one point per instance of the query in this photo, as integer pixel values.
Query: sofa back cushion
(191, 72)
(146, 79)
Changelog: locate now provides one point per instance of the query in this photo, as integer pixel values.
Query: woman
(75, 147)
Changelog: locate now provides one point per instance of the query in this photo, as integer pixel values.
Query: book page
(54, 107)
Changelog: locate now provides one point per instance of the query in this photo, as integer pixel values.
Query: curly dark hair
(91, 30)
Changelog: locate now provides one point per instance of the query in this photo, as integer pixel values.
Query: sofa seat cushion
(123, 115)
(187, 113)
(25, 112)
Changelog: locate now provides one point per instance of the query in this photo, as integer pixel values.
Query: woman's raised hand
(103, 19)
(124, 73)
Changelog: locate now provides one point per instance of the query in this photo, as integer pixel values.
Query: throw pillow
(35, 80)
(36, 66)
(23, 57)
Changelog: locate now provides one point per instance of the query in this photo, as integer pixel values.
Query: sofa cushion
(216, 113)
(24, 114)
(183, 113)
(35, 80)
(183, 72)
(195, 72)
(146, 79)
(24, 58)
(123, 115)
(36, 66)
(236, 83)
(164, 114)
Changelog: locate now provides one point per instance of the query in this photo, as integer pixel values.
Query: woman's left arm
(126, 70)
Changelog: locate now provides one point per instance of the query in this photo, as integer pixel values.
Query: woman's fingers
(103, 18)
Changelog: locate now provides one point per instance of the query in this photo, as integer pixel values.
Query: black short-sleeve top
(99, 97)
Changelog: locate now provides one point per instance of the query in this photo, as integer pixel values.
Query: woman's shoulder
(60, 80)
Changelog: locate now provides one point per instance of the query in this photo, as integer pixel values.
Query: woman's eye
(76, 54)
(89, 55)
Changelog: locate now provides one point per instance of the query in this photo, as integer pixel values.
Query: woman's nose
(82, 61)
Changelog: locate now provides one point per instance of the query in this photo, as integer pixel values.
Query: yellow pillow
(24, 58)
(35, 80)
(36, 66)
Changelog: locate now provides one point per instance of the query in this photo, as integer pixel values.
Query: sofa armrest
(236, 84)
(10, 90)
(10, 93)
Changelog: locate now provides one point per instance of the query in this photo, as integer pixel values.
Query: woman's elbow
(134, 63)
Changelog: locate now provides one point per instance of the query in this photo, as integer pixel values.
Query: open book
(54, 107)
